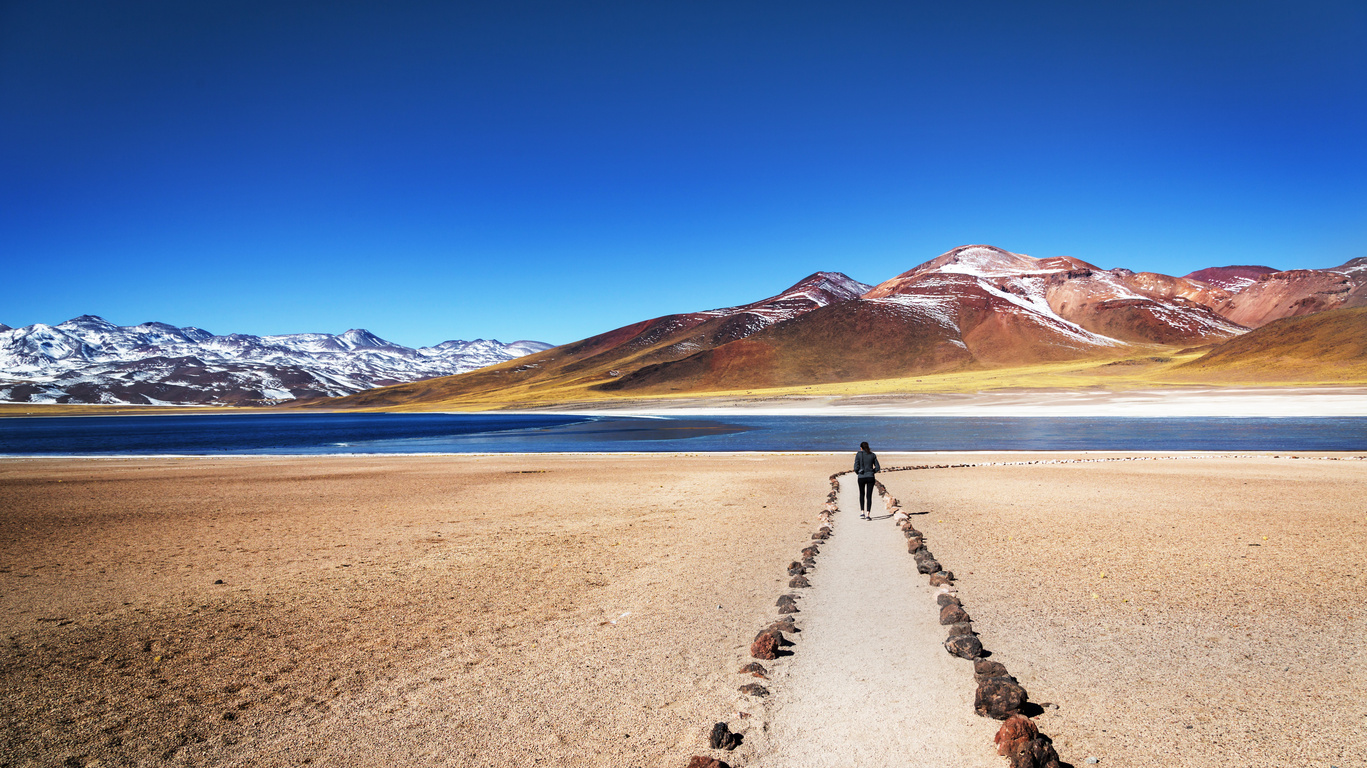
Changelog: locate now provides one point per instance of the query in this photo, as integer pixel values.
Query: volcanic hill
(975, 307)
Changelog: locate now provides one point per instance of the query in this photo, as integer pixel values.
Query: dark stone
(1038, 753)
(925, 563)
(754, 689)
(798, 581)
(699, 761)
(808, 562)
(787, 604)
(786, 624)
(962, 628)
(913, 544)
(218, 581)
(754, 668)
(811, 551)
(989, 668)
(942, 578)
(722, 737)
(964, 646)
(946, 599)
(953, 614)
(999, 698)
(821, 535)
(795, 569)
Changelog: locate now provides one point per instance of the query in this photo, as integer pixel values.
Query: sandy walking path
(870, 683)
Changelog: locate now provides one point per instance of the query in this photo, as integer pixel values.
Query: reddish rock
(962, 628)
(946, 599)
(698, 761)
(766, 645)
(811, 551)
(953, 614)
(754, 668)
(787, 604)
(821, 535)
(795, 569)
(1016, 732)
(754, 689)
(942, 578)
(999, 698)
(913, 544)
(721, 737)
(798, 582)
(964, 646)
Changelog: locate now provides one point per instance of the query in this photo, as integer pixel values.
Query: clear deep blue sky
(550, 170)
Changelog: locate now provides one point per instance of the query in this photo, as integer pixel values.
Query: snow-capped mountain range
(90, 360)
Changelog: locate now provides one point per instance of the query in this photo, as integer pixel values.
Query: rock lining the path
(964, 646)
(721, 737)
(999, 698)
(754, 669)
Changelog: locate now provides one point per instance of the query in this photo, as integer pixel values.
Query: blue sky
(553, 170)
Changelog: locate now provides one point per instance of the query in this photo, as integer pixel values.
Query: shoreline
(1244, 402)
(1329, 401)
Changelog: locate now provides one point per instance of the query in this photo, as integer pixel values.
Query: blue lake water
(329, 433)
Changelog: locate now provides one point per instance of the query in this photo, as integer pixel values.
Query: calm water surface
(329, 433)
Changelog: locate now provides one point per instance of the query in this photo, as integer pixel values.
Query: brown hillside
(602, 358)
(851, 341)
(1328, 346)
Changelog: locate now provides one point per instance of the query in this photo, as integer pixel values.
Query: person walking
(865, 467)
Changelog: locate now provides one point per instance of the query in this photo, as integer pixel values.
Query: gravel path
(870, 684)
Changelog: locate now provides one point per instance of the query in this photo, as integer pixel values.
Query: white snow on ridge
(143, 363)
(1039, 310)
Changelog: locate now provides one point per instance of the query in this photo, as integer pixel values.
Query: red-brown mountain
(1233, 278)
(1297, 292)
(975, 305)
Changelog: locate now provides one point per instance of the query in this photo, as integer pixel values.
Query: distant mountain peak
(1232, 278)
(87, 320)
(838, 284)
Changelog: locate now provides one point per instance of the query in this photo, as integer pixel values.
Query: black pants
(866, 494)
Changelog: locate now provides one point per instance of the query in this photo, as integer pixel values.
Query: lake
(362, 433)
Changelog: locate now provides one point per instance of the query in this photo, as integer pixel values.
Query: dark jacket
(866, 464)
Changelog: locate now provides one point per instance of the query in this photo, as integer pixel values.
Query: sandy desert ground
(593, 610)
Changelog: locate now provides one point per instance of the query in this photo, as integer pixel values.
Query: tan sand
(1199, 613)
(387, 611)
(454, 611)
